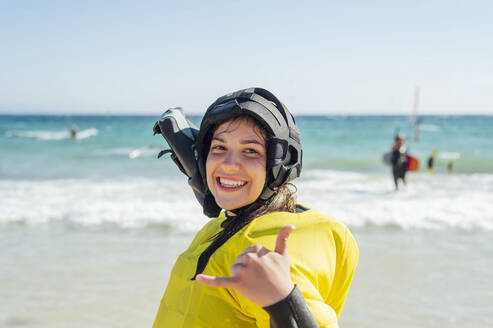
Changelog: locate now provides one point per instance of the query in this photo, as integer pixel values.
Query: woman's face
(236, 163)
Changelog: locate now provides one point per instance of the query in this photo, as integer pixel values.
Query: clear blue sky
(322, 57)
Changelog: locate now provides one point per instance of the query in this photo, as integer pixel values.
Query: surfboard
(386, 158)
(412, 163)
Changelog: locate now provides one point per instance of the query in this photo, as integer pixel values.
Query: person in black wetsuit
(263, 277)
(431, 162)
(399, 160)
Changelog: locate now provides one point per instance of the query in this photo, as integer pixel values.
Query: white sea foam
(87, 133)
(130, 203)
(429, 127)
(129, 152)
(449, 155)
(431, 202)
(51, 135)
(143, 151)
(134, 153)
(358, 199)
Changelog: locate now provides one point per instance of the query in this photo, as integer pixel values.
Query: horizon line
(197, 114)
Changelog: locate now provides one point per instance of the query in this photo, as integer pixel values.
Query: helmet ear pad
(283, 165)
(210, 207)
(277, 153)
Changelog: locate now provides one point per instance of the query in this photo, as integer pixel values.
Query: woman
(248, 149)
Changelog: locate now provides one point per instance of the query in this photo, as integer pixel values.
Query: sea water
(91, 226)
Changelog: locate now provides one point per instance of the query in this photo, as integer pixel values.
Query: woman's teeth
(231, 183)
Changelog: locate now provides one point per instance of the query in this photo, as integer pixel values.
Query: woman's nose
(231, 163)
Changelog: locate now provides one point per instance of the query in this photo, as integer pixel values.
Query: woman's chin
(230, 206)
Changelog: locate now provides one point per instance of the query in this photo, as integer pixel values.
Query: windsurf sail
(415, 118)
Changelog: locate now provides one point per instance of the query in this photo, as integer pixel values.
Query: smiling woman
(248, 151)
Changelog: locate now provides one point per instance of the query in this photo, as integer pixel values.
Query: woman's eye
(217, 147)
(251, 151)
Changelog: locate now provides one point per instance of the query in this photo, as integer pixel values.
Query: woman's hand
(259, 274)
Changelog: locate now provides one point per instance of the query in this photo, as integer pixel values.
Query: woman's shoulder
(326, 221)
(305, 216)
(309, 222)
(338, 231)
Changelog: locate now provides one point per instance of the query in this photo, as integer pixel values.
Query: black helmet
(284, 152)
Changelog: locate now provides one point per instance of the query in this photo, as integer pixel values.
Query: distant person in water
(73, 131)
(431, 162)
(399, 160)
(450, 166)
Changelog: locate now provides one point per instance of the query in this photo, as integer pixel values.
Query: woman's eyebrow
(218, 139)
(243, 142)
(252, 141)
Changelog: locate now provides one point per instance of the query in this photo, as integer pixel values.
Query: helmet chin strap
(264, 198)
(238, 215)
(244, 210)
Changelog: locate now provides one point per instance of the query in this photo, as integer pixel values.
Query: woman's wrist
(291, 311)
(280, 299)
(281, 293)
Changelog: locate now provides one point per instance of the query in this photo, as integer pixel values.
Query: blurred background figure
(399, 160)
(450, 166)
(431, 162)
(74, 130)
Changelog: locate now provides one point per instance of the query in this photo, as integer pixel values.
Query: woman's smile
(236, 163)
(230, 184)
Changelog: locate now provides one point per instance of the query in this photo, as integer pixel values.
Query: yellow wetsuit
(323, 256)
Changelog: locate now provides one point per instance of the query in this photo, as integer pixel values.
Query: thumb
(282, 239)
(221, 282)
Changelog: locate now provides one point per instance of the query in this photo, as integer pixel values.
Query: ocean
(91, 226)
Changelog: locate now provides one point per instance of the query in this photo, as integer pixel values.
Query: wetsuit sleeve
(291, 312)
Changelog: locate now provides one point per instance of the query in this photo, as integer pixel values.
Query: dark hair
(283, 201)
